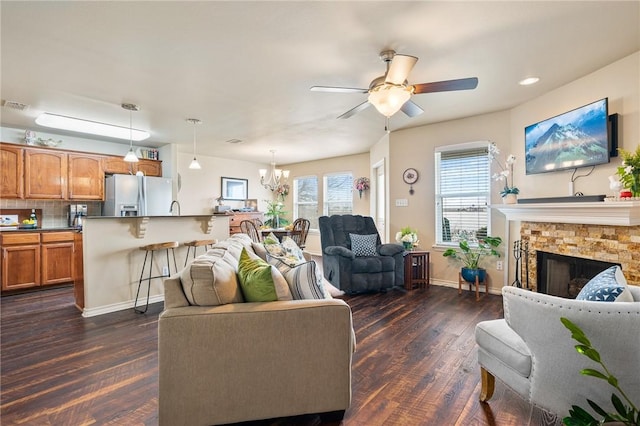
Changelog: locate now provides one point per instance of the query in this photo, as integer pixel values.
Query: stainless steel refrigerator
(128, 195)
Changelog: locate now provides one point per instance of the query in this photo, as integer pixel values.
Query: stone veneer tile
(616, 244)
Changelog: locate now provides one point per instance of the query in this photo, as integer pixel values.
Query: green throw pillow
(255, 279)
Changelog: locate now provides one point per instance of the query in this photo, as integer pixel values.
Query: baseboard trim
(115, 307)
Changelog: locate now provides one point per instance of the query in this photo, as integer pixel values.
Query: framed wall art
(234, 189)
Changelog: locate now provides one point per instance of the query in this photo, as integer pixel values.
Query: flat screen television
(577, 138)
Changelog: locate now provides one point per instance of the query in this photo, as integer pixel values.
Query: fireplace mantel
(621, 213)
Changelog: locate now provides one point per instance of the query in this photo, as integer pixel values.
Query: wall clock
(410, 176)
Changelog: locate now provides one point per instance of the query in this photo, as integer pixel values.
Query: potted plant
(274, 214)
(471, 253)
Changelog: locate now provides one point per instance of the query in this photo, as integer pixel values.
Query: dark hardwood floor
(415, 364)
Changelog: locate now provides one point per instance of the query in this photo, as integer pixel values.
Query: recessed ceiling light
(528, 81)
(92, 127)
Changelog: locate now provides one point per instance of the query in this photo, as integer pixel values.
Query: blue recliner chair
(358, 274)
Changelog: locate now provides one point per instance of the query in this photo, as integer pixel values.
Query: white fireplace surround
(620, 213)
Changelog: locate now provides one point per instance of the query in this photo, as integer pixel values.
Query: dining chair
(301, 229)
(249, 227)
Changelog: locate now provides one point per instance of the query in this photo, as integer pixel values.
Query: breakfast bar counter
(113, 260)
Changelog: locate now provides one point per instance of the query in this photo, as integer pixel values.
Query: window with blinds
(338, 194)
(305, 199)
(463, 196)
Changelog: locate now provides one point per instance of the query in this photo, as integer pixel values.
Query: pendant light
(194, 163)
(131, 156)
(276, 177)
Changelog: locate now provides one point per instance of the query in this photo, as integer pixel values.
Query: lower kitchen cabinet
(34, 259)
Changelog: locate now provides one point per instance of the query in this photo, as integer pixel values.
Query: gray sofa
(238, 361)
(358, 274)
(533, 353)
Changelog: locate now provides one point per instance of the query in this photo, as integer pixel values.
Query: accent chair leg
(488, 385)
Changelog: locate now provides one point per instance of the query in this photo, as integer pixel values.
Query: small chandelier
(131, 156)
(276, 178)
(194, 163)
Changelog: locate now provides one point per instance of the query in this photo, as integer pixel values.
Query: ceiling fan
(391, 93)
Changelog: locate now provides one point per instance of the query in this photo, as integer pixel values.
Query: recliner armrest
(339, 251)
(390, 249)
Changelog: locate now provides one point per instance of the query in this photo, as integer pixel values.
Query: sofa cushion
(287, 251)
(608, 286)
(502, 342)
(304, 279)
(363, 245)
(211, 280)
(256, 280)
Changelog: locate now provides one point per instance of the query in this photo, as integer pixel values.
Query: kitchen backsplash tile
(54, 212)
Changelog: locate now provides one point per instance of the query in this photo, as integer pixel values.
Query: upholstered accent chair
(533, 353)
(353, 265)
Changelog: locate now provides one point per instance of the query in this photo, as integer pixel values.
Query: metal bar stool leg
(135, 304)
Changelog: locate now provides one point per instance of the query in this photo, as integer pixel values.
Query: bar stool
(152, 248)
(195, 244)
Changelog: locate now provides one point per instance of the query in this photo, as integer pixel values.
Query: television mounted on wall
(576, 138)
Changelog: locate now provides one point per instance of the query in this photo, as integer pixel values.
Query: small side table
(416, 269)
(476, 283)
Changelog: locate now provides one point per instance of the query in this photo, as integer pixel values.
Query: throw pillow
(364, 245)
(287, 251)
(255, 278)
(608, 286)
(305, 279)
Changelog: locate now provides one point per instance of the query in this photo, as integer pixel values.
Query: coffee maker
(77, 212)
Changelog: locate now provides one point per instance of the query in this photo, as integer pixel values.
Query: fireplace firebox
(564, 276)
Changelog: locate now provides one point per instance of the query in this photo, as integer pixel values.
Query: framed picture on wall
(234, 189)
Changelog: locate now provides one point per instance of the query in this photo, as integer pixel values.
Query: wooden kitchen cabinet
(78, 271)
(86, 177)
(57, 250)
(45, 174)
(20, 260)
(150, 167)
(116, 165)
(11, 166)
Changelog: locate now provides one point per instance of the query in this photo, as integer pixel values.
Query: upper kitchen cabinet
(45, 174)
(86, 177)
(11, 176)
(116, 166)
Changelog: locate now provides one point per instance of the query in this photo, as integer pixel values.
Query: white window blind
(305, 199)
(462, 192)
(338, 194)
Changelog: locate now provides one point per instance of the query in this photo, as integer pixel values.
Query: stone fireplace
(602, 231)
(612, 244)
(564, 276)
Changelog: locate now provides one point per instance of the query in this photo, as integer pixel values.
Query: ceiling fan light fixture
(388, 98)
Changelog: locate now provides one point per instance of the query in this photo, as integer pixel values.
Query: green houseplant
(471, 253)
(275, 214)
(624, 415)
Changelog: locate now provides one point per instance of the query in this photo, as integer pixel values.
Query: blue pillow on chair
(608, 286)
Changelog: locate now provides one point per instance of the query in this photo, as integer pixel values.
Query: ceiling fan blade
(337, 89)
(354, 111)
(401, 66)
(446, 85)
(411, 109)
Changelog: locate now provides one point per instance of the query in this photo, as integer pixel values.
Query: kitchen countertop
(167, 216)
(45, 229)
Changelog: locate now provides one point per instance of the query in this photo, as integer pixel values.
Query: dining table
(279, 232)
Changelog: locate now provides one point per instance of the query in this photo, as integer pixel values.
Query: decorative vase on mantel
(510, 199)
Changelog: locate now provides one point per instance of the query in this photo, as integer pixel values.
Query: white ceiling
(245, 68)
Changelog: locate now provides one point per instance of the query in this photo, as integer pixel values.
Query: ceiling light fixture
(79, 125)
(194, 163)
(388, 98)
(529, 81)
(131, 156)
(277, 177)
